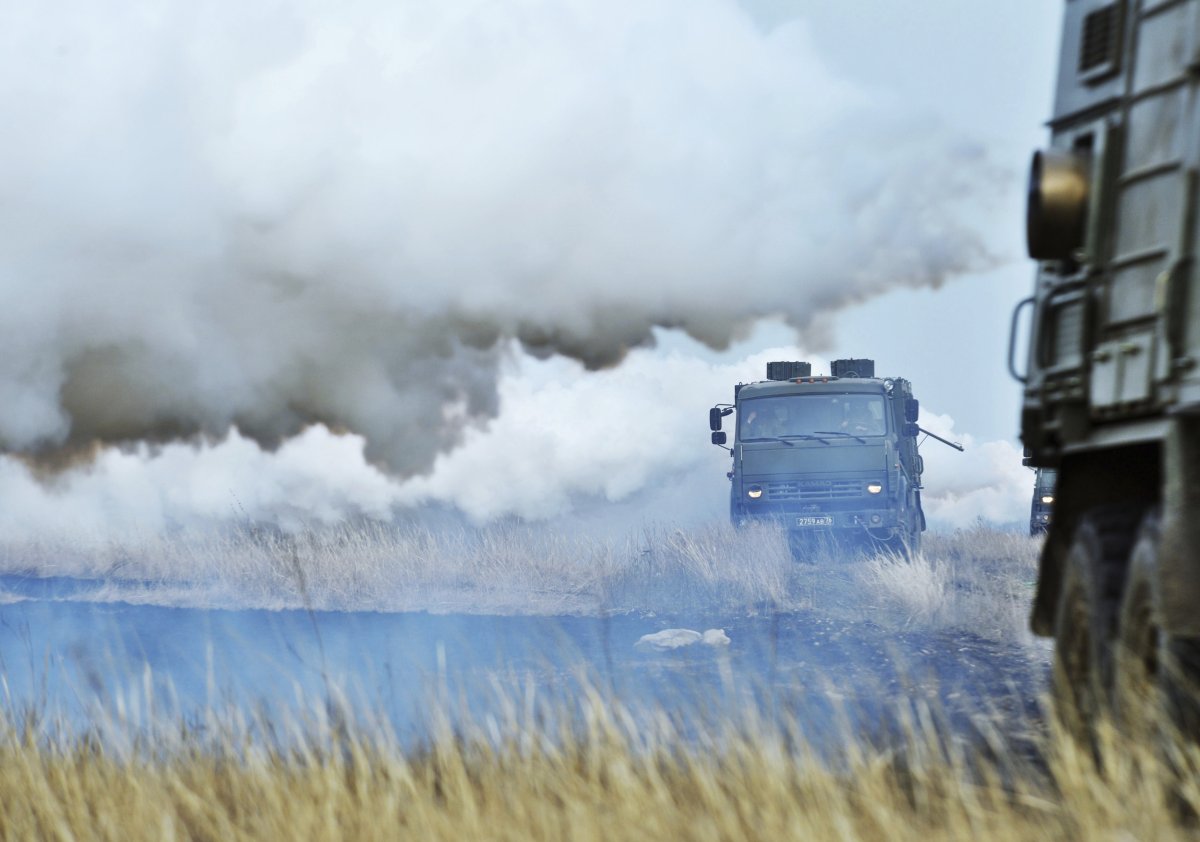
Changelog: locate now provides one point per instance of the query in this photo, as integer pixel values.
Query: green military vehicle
(828, 457)
(1111, 381)
(1043, 500)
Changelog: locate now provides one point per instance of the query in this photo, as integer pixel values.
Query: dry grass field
(978, 579)
(607, 780)
(585, 767)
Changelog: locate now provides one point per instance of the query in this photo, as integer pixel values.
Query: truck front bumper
(810, 520)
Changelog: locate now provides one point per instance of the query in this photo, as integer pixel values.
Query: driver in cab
(859, 420)
(765, 424)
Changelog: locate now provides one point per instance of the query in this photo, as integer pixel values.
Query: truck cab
(829, 457)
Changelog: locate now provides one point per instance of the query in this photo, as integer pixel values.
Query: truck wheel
(1155, 673)
(1086, 620)
(1140, 651)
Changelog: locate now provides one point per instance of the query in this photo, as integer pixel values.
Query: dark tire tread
(1093, 582)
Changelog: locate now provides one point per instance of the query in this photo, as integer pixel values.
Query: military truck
(1043, 500)
(828, 456)
(1111, 382)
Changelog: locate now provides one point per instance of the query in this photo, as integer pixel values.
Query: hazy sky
(371, 218)
(987, 69)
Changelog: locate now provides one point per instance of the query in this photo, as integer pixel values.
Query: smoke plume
(259, 217)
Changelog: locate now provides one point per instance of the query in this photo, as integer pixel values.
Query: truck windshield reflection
(805, 415)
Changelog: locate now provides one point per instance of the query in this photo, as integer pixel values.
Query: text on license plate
(815, 520)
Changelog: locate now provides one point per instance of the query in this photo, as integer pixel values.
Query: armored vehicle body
(829, 457)
(1111, 383)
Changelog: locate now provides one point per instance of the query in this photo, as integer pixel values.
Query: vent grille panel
(1101, 37)
(1068, 335)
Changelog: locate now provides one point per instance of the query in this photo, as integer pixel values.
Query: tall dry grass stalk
(502, 568)
(977, 580)
(606, 776)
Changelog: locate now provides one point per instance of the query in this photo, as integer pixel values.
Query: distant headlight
(1047, 498)
(874, 487)
(754, 492)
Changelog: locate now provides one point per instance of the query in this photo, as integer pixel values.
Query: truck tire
(1157, 675)
(1086, 619)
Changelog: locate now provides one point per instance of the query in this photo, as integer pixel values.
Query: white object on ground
(669, 639)
(715, 637)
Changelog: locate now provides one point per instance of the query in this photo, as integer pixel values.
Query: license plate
(815, 520)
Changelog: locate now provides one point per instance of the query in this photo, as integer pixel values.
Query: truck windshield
(1046, 480)
(800, 415)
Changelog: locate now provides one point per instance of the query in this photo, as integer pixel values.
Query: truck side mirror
(716, 414)
(911, 430)
(912, 410)
(718, 438)
(714, 419)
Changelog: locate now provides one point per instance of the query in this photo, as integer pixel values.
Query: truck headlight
(754, 492)
(1047, 498)
(874, 487)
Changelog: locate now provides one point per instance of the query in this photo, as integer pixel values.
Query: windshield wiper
(840, 433)
(784, 439)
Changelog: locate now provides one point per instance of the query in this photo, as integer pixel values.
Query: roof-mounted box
(852, 368)
(788, 370)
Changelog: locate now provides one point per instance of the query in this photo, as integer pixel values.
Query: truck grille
(815, 489)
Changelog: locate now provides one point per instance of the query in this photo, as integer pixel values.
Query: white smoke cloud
(603, 436)
(264, 216)
(312, 479)
(605, 451)
(985, 481)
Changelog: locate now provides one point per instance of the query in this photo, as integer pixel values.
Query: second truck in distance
(830, 457)
(1042, 507)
